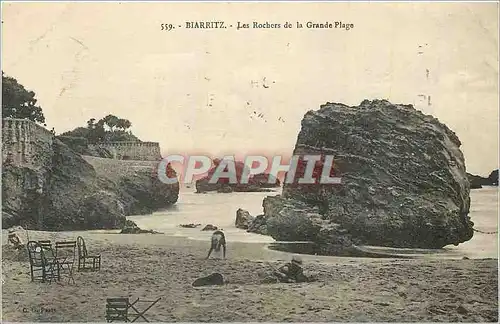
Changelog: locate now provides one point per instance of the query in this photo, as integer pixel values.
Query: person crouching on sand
(218, 240)
(291, 272)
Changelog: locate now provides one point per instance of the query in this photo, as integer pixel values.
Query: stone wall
(142, 151)
(23, 141)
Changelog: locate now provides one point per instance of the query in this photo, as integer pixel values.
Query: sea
(219, 209)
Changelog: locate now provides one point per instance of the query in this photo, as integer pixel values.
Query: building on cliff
(20, 138)
(20, 134)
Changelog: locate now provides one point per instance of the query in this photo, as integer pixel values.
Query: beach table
(65, 256)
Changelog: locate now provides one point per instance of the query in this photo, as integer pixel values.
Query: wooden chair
(83, 257)
(42, 267)
(117, 309)
(65, 255)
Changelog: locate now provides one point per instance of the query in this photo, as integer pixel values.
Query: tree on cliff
(96, 132)
(17, 102)
(115, 122)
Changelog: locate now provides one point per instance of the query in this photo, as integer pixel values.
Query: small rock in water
(189, 225)
(209, 227)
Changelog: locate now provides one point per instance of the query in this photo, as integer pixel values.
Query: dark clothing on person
(291, 272)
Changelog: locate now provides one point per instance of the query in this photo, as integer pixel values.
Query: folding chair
(65, 255)
(42, 267)
(83, 256)
(117, 309)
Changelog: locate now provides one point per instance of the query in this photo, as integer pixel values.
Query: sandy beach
(347, 289)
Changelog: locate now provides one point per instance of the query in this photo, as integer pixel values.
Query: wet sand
(348, 289)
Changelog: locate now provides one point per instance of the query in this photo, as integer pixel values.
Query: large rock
(477, 182)
(256, 183)
(58, 190)
(403, 181)
(139, 189)
(243, 219)
(250, 223)
(493, 178)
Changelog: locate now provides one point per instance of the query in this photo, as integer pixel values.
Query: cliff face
(136, 183)
(403, 181)
(46, 185)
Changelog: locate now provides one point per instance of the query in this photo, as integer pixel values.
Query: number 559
(167, 27)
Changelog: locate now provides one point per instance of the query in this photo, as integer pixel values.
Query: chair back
(82, 249)
(45, 243)
(66, 249)
(35, 253)
(47, 248)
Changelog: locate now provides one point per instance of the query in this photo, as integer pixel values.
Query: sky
(196, 90)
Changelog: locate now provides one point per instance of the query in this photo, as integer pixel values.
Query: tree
(91, 123)
(96, 132)
(17, 102)
(111, 121)
(123, 124)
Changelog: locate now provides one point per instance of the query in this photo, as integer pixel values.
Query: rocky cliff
(404, 182)
(48, 186)
(477, 182)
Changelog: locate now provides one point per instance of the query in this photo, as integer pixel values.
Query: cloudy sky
(197, 90)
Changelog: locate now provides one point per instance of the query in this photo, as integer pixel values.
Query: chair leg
(141, 314)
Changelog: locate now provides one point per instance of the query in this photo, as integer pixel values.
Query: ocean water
(220, 210)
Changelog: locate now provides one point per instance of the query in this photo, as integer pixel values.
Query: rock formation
(191, 225)
(210, 227)
(403, 181)
(250, 223)
(493, 177)
(131, 228)
(243, 219)
(48, 186)
(256, 183)
(477, 182)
